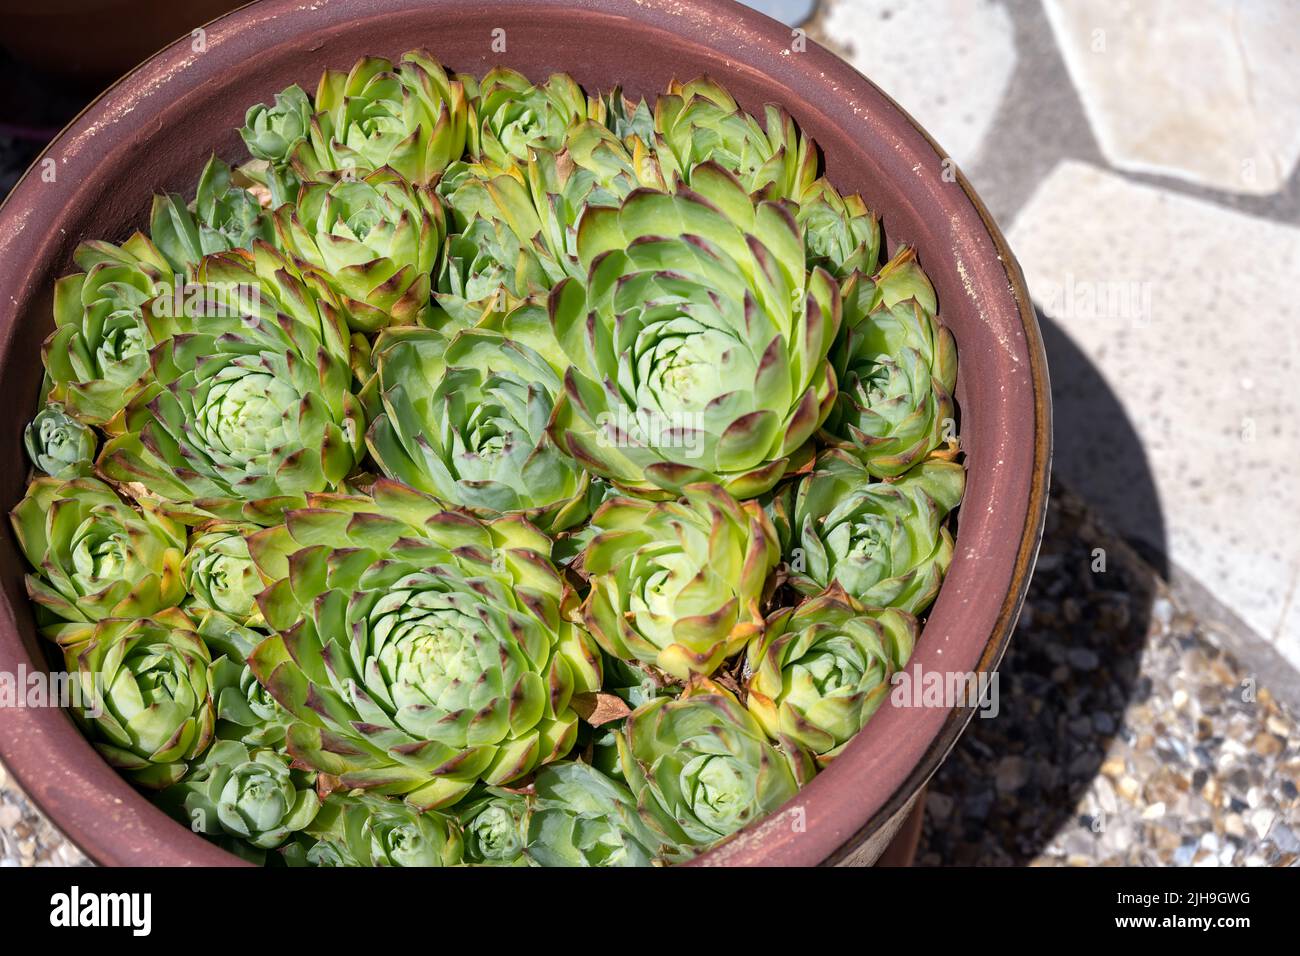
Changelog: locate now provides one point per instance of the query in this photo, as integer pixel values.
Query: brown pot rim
(100, 812)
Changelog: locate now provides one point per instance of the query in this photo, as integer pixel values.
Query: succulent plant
(94, 556)
(699, 122)
(580, 817)
(251, 405)
(145, 699)
(59, 445)
(843, 235)
(494, 828)
(224, 216)
(677, 584)
(252, 795)
(698, 341)
(97, 357)
(513, 116)
(273, 133)
(885, 544)
(362, 830)
(218, 572)
(701, 767)
(375, 241)
(410, 117)
(896, 367)
(419, 649)
(464, 418)
(821, 670)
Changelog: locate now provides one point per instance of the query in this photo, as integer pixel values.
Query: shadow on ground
(1014, 781)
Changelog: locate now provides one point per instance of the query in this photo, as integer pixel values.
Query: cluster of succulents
(487, 472)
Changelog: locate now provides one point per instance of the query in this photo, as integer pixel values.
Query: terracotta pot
(155, 128)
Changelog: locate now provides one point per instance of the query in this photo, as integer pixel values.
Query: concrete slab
(1204, 90)
(1185, 325)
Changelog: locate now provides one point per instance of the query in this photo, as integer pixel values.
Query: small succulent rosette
(678, 584)
(884, 543)
(819, 671)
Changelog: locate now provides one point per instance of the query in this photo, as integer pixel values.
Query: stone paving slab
(1204, 90)
(1186, 312)
(947, 62)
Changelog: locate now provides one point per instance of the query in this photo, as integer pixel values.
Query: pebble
(1152, 759)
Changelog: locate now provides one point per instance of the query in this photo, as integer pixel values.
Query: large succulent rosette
(821, 670)
(98, 354)
(251, 406)
(144, 695)
(701, 767)
(885, 544)
(410, 117)
(375, 241)
(464, 418)
(678, 584)
(419, 650)
(94, 556)
(698, 341)
(897, 368)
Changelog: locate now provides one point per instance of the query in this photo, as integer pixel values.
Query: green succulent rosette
(494, 828)
(698, 342)
(248, 796)
(843, 234)
(272, 134)
(699, 122)
(581, 817)
(251, 406)
(464, 418)
(97, 357)
(219, 573)
(897, 368)
(701, 767)
(821, 670)
(246, 712)
(512, 116)
(363, 830)
(223, 216)
(145, 701)
(419, 650)
(375, 241)
(59, 445)
(595, 168)
(410, 117)
(94, 556)
(884, 543)
(677, 584)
